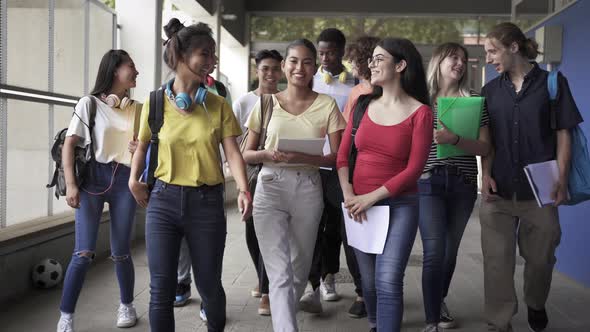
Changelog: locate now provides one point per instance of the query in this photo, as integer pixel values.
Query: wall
(573, 254)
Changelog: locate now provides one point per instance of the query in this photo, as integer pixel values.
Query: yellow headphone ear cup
(327, 78)
(342, 77)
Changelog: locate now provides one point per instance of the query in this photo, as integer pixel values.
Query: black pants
(326, 255)
(252, 243)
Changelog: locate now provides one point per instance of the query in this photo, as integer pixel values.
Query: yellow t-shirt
(189, 144)
(320, 119)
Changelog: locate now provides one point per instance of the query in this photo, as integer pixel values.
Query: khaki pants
(537, 230)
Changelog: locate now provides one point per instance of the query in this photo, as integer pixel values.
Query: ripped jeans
(122, 211)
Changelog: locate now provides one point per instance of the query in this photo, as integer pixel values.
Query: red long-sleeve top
(391, 156)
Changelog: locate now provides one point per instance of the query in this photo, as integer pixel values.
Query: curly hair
(360, 51)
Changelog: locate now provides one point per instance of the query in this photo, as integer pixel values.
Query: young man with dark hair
(332, 79)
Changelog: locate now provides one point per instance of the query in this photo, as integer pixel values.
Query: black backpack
(221, 89)
(358, 113)
(82, 156)
(155, 121)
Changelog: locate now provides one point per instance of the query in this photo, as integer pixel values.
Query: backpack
(155, 121)
(221, 89)
(359, 111)
(579, 176)
(82, 156)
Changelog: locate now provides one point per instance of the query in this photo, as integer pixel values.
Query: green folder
(462, 116)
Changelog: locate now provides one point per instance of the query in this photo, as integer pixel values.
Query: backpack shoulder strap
(221, 90)
(553, 89)
(266, 106)
(358, 112)
(155, 121)
(92, 117)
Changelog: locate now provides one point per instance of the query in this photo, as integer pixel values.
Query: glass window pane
(28, 160)
(101, 39)
(61, 119)
(27, 41)
(69, 47)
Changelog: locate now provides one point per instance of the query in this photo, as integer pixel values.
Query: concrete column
(141, 36)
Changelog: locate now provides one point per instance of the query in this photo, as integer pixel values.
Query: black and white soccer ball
(47, 273)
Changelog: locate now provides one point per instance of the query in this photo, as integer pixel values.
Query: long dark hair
(307, 44)
(109, 64)
(413, 78)
(182, 41)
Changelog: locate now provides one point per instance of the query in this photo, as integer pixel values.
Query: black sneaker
(446, 320)
(374, 329)
(183, 294)
(537, 319)
(357, 309)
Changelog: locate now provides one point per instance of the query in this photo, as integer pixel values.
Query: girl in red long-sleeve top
(393, 140)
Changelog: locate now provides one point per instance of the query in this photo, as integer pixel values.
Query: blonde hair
(434, 75)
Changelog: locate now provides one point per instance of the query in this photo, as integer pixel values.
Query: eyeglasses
(376, 59)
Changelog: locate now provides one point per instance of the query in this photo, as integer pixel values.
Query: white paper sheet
(370, 235)
(311, 146)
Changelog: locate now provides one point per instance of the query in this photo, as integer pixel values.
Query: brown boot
(264, 306)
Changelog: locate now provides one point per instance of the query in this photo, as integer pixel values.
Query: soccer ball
(47, 273)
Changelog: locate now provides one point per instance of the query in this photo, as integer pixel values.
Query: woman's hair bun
(173, 27)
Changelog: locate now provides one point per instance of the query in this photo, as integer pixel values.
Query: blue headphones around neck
(183, 100)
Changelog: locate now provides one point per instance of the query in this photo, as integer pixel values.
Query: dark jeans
(446, 202)
(326, 255)
(383, 275)
(122, 211)
(252, 243)
(196, 213)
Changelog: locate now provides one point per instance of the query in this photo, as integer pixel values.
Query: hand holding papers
(543, 177)
(462, 116)
(370, 235)
(312, 146)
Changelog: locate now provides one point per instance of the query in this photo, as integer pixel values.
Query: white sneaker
(202, 313)
(328, 288)
(310, 302)
(65, 324)
(126, 316)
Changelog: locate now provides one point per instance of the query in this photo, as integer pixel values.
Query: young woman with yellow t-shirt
(187, 198)
(288, 200)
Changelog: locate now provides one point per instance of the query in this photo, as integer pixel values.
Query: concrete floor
(568, 305)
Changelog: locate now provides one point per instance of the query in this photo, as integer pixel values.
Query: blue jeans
(198, 215)
(446, 203)
(383, 275)
(122, 211)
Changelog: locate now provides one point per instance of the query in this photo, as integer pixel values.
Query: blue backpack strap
(552, 85)
(552, 88)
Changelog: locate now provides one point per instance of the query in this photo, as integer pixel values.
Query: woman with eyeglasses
(392, 141)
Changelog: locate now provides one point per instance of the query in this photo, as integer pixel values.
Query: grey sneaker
(446, 320)
(65, 325)
(431, 328)
(328, 288)
(310, 302)
(126, 316)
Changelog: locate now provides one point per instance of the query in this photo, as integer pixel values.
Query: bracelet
(457, 141)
